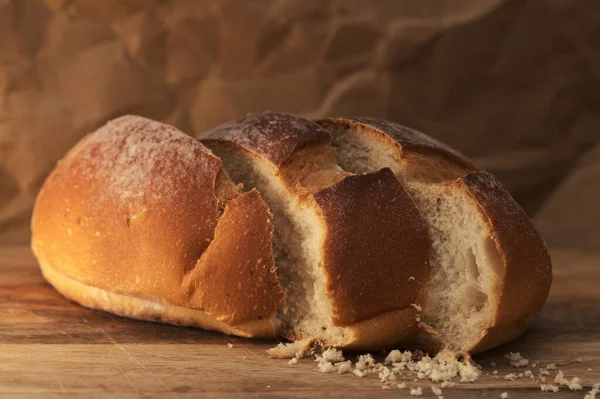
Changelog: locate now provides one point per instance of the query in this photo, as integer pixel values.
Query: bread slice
(351, 250)
(141, 220)
(491, 271)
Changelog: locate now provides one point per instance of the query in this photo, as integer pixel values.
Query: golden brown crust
(133, 207)
(238, 266)
(376, 248)
(527, 264)
(272, 135)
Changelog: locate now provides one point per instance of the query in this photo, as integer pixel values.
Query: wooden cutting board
(53, 348)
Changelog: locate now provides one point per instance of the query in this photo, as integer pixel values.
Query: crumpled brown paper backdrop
(514, 84)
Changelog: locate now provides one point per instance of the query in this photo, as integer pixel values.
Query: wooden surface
(52, 348)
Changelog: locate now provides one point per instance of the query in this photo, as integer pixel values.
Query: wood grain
(53, 348)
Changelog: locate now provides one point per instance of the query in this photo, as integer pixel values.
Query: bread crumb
(436, 391)
(549, 388)
(396, 356)
(293, 360)
(544, 372)
(386, 375)
(298, 349)
(510, 377)
(359, 373)
(574, 384)
(268, 386)
(493, 364)
(551, 366)
(447, 384)
(516, 360)
(417, 307)
(344, 367)
(504, 395)
(364, 362)
(589, 369)
(579, 360)
(230, 345)
(495, 372)
(411, 278)
(402, 385)
(326, 367)
(332, 355)
(592, 394)
(416, 391)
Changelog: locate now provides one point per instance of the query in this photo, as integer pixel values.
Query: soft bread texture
(491, 271)
(141, 220)
(339, 238)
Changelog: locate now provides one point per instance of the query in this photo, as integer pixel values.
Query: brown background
(514, 84)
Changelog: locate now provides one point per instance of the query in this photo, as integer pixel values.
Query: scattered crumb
(447, 384)
(401, 385)
(504, 395)
(344, 367)
(551, 366)
(230, 345)
(298, 349)
(574, 384)
(396, 356)
(416, 391)
(516, 360)
(326, 367)
(411, 278)
(332, 355)
(579, 360)
(549, 388)
(589, 369)
(510, 377)
(359, 373)
(592, 394)
(544, 372)
(493, 364)
(268, 386)
(417, 307)
(436, 391)
(386, 375)
(365, 361)
(293, 360)
(386, 387)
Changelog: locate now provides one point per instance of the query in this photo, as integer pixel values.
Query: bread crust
(133, 209)
(272, 135)
(395, 236)
(376, 246)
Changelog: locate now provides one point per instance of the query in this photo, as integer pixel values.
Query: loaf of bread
(351, 232)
